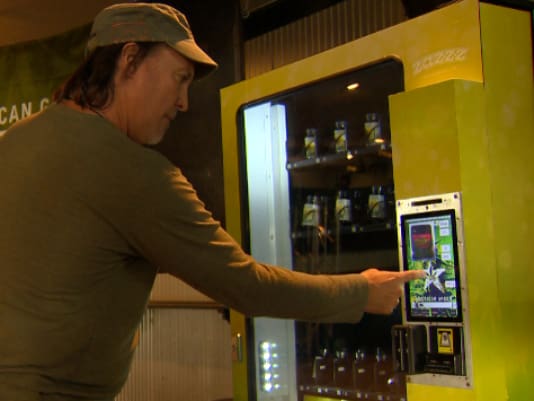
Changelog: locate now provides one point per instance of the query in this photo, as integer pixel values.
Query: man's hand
(385, 288)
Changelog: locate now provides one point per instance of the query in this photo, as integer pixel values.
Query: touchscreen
(429, 243)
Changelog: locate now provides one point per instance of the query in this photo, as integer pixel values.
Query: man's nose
(182, 104)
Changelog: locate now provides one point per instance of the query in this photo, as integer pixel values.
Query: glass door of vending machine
(319, 197)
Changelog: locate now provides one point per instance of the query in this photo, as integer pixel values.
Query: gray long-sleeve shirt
(87, 218)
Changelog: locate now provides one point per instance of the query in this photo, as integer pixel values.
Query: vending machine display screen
(429, 243)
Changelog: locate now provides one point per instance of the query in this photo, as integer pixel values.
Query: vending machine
(383, 152)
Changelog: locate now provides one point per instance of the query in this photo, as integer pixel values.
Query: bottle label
(377, 206)
(340, 139)
(343, 209)
(310, 146)
(310, 214)
(373, 131)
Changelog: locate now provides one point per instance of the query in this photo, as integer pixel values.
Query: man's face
(154, 93)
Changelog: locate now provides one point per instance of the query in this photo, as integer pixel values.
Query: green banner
(31, 71)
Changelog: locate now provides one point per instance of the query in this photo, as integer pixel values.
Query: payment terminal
(432, 345)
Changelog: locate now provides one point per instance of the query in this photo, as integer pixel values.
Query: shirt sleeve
(168, 225)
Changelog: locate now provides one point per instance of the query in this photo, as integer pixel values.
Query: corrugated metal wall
(318, 32)
(184, 354)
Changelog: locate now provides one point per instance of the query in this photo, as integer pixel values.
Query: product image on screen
(429, 244)
(422, 241)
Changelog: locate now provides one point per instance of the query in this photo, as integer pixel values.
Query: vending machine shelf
(322, 393)
(350, 229)
(356, 155)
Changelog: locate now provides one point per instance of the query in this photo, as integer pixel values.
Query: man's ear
(127, 59)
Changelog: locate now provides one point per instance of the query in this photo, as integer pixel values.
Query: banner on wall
(31, 71)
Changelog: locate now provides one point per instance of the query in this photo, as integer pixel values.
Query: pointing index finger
(409, 275)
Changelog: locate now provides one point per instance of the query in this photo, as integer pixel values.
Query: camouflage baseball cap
(149, 22)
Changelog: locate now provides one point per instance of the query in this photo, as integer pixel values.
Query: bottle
(377, 203)
(322, 371)
(373, 128)
(342, 370)
(383, 372)
(343, 207)
(362, 372)
(340, 137)
(311, 211)
(310, 143)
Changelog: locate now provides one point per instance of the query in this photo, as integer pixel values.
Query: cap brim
(190, 50)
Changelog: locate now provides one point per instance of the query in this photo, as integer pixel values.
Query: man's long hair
(91, 85)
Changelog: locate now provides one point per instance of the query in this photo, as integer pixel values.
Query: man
(89, 216)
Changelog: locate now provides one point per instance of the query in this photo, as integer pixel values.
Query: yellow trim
(239, 366)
